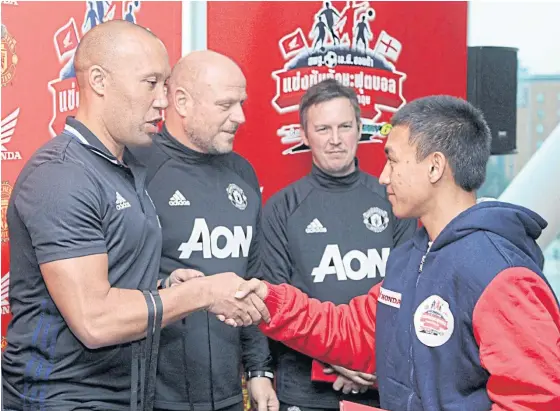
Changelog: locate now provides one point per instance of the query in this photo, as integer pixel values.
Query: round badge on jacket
(433, 321)
(376, 219)
(237, 196)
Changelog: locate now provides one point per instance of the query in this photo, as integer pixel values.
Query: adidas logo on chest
(178, 200)
(121, 203)
(315, 226)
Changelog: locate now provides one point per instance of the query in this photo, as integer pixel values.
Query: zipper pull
(424, 257)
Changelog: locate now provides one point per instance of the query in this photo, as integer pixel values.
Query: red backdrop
(38, 88)
(423, 46)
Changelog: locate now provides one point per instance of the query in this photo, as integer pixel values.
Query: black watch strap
(255, 374)
(162, 284)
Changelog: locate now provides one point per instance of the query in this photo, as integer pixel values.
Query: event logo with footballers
(64, 89)
(340, 47)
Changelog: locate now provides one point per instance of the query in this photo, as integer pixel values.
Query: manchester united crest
(237, 196)
(6, 193)
(9, 56)
(376, 219)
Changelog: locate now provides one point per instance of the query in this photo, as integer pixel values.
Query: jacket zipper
(423, 260)
(420, 268)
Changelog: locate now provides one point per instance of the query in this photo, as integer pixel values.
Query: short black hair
(327, 90)
(453, 127)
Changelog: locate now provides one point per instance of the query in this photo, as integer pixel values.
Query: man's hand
(348, 386)
(254, 289)
(262, 393)
(181, 275)
(232, 308)
(252, 286)
(350, 381)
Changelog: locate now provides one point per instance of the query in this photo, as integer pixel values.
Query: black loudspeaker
(492, 87)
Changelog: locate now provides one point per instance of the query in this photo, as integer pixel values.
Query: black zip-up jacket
(209, 207)
(331, 238)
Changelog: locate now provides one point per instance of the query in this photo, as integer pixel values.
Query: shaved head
(108, 45)
(206, 91)
(201, 68)
(121, 70)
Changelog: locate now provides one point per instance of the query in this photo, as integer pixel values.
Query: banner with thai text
(389, 52)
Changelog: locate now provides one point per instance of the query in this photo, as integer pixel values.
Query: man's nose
(335, 139)
(161, 102)
(238, 116)
(385, 177)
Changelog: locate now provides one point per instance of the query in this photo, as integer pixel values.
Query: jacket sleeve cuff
(274, 300)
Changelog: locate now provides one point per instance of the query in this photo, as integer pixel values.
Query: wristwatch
(255, 374)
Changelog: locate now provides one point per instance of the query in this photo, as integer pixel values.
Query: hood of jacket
(515, 224)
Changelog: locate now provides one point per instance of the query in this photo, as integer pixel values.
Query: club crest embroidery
(237, 196)
(376, 219)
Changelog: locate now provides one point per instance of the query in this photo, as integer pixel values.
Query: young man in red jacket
(465, 319)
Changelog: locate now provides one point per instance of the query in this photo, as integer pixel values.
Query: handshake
(233, 300)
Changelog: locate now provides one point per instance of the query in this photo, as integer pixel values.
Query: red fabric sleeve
(516, 324)
(341, 335)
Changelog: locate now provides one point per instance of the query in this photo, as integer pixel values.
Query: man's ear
(303, 135)
(182, 100)
(437, 164)
(97, 78)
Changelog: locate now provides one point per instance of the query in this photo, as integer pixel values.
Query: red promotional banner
(389, 52)
(38, 85)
